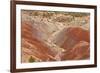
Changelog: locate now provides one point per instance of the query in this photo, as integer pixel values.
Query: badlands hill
(54, 36)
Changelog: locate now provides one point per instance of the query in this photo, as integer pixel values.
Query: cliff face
(45, 39)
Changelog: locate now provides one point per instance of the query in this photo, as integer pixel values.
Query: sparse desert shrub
(31, 59)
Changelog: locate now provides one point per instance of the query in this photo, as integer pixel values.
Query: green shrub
(31, 59)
